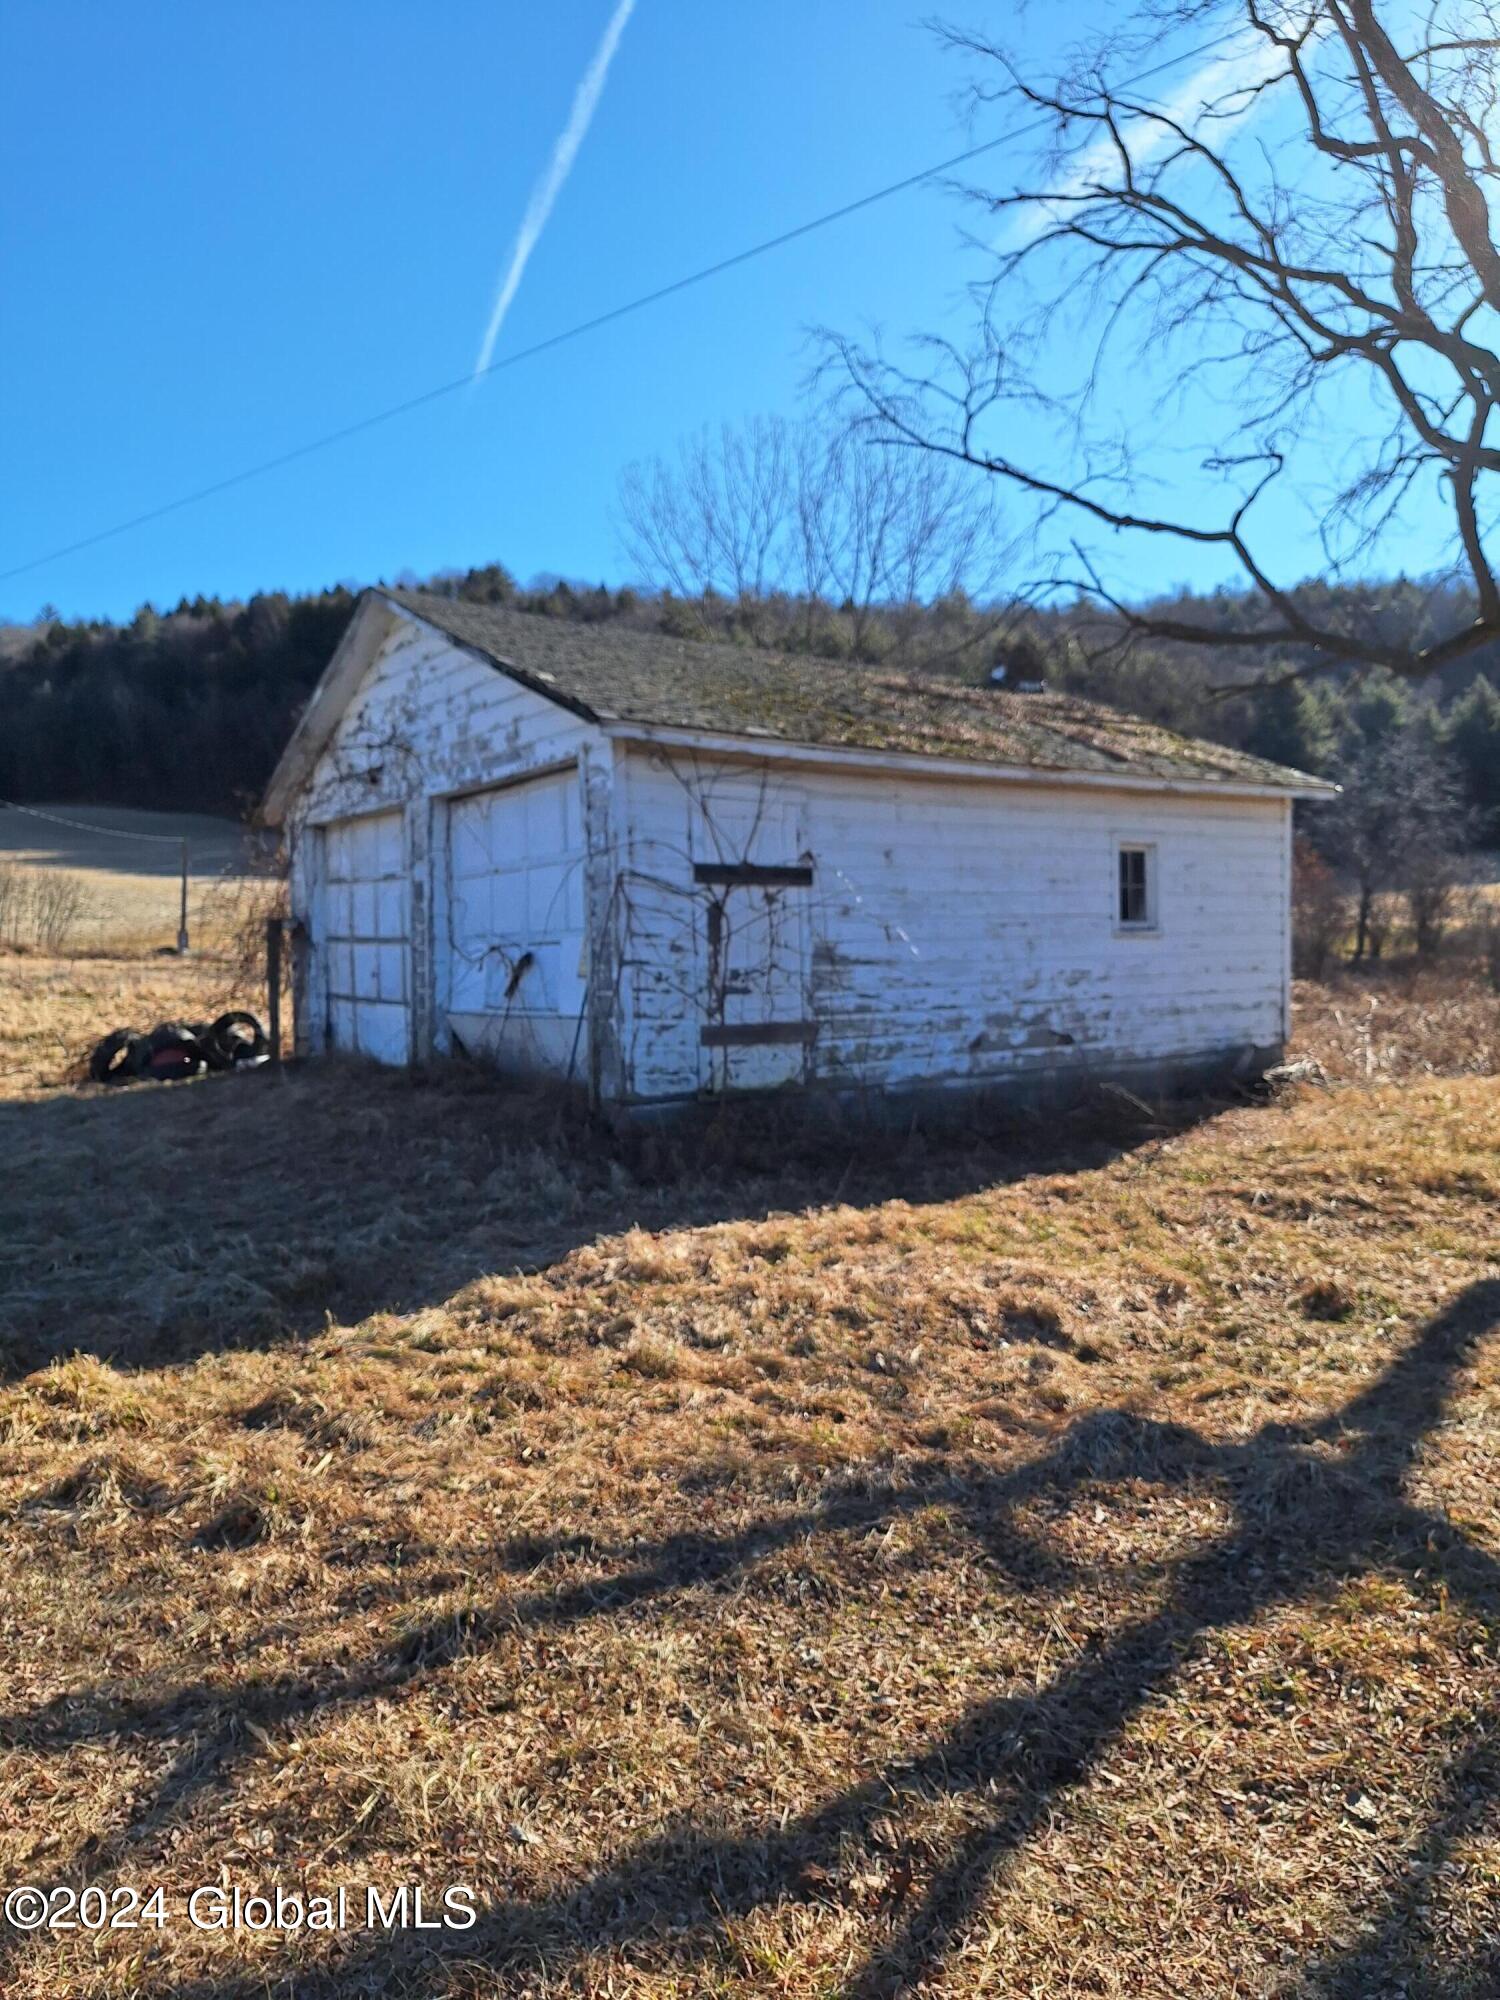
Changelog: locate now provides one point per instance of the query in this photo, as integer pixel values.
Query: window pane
(1134, 901)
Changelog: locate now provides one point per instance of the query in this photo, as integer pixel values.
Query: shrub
(41, 909)
(1320, 914)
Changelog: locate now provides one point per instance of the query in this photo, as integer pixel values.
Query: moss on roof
(612, 673)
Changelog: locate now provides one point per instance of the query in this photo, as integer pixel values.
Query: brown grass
(1408, 1020)
(53, 1010)
(1063, 1564)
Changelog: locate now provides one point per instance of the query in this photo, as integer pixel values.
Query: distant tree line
(183, 710)
(189, 708)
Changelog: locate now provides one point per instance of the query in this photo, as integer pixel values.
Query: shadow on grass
(1314, 1506)
(150, 1224)
(1397, 1952)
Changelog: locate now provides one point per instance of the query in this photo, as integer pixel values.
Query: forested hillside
(188, 709)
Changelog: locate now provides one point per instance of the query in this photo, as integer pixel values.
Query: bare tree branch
(1355, 245)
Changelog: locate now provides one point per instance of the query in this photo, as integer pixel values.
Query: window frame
(1148, 925)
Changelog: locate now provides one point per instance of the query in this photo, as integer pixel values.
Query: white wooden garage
(661, 869)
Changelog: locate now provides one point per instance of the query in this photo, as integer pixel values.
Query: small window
(1136, 909)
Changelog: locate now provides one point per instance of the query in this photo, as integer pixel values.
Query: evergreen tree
(190, 708)
(1290, 723)
(1375, 708)
(1472, 738)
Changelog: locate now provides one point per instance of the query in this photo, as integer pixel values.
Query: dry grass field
(113, 874)
(1062, 1563)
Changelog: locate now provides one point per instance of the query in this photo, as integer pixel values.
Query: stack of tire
(178, 1049)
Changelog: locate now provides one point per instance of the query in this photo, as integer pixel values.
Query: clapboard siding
(964, 931)
(428, 721)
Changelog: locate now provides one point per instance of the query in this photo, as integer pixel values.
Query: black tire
(174, 1035)
(172, 1063)
(235, 1038)
(136, 1058)
(172, 1051)
(111, 1060)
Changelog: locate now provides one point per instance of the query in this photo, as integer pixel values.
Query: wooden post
(182, 920)
(273, 986)
(295, 953)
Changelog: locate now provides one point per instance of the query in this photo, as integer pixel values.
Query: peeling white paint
(924, 927)
(957, 934)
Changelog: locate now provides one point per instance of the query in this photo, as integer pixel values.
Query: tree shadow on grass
(1314, 1505)
(150, 1224)
(1397, 1952)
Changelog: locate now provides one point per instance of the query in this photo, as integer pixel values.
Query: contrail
(1248, 60)
(547, 189)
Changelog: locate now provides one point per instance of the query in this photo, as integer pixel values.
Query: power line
(84, 826)
(607, 318)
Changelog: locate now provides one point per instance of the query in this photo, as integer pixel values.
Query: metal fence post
(182, 913)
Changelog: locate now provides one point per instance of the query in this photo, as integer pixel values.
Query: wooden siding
(962, 932)
(429, 724)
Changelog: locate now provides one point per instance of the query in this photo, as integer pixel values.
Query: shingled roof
(612, 673)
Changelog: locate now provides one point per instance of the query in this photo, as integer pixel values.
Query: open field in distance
(127, 866)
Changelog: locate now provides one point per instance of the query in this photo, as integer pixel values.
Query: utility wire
(85, 826)
(575, 332)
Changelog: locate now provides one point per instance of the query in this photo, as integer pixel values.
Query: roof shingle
(613, 673)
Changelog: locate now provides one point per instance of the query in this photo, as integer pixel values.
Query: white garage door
(365, 936)
(516, 934)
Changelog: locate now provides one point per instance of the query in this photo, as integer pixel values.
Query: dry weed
(1374, 1027)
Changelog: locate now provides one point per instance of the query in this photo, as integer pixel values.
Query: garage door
(366, 938)
(516, 972)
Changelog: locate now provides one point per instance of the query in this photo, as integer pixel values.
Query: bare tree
(1347, 241)
(823, 513)
(719, 522)
(1432, 866)
(1320, 911)
(888, 529)
(1398, 828)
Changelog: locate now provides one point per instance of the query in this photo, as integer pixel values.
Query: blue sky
(226, 230)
